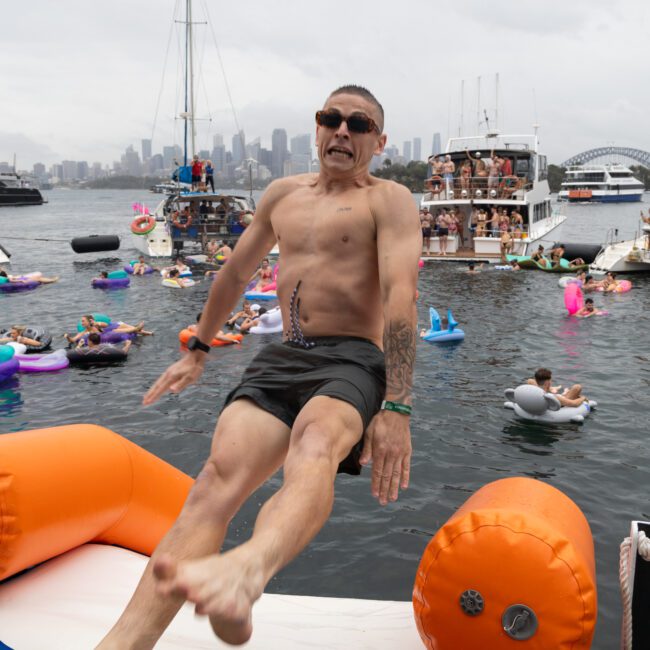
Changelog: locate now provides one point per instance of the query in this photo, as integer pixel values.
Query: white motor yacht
(522, 190)
(624, 255)
(611, 183)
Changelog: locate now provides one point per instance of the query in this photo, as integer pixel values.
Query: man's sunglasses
(356, 123)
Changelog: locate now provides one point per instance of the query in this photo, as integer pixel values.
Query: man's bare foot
(222, 587)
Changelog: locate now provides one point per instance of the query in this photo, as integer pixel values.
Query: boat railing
(438, 188)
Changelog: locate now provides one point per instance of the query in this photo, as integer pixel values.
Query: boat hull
(16, 196)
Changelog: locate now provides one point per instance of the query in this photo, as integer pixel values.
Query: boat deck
(72, 600)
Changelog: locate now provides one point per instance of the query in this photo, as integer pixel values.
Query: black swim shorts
(426, 232)
(283, 377)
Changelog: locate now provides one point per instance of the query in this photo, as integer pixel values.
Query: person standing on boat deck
(209, 175)
(197, 171)
(425, 222)
(494, 169)
(480, 168)
(345, 367)
(448, 169)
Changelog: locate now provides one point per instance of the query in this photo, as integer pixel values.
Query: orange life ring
(143, 225)
(182, 226)
(434, 184)
(185, 335)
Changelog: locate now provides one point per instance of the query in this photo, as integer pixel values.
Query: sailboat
(190, 216)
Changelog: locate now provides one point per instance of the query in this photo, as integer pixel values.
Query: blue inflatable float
(435, 334)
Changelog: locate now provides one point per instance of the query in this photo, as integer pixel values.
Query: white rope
(643, 547)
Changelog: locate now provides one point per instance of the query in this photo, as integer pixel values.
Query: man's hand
(388, 443)
(177, 377)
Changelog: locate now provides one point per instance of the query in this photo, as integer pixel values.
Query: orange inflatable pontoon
(65, 486)
(514, 566)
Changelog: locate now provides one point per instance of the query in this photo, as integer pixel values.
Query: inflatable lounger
(532, 403)
(435, 334)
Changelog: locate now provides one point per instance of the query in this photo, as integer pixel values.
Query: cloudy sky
(82, 80)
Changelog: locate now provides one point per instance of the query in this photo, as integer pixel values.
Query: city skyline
(99, 76)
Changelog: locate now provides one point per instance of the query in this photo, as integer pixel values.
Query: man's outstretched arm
(388, 438)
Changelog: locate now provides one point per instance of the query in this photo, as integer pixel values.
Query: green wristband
(396, 407)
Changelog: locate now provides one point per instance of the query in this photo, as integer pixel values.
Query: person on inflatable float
(336, 390)
(23, 279)
(95, 340)
(569, 397)
(263, 275)
(220, 335)
(16, 336)
(246, 312)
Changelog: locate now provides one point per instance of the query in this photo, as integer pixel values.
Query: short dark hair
(588, 278)
(471, 266)
(589, 301)
(262, 310)
(353, 89)
(542, 375)
(94, 338)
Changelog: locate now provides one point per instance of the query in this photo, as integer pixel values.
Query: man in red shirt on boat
(197, 172)
(335, 394)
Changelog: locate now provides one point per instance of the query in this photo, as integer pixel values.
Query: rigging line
(202, 80)
(65, 241)
(162, 80)
(225, 78)
(180, 67)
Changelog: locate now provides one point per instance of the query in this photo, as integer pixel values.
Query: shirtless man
(494, 169)
(225, 251)
(448, 169)
(365, 231)
(588, 310)
(426, 221)
(480, 168)
(570, 397)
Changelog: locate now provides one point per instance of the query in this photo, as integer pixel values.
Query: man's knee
(314, 445)
(216, 490)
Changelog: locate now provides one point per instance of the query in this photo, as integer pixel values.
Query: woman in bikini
(263, 275)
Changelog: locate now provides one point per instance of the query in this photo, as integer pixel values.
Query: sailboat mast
(187, 67)
(496, 104)
(191, 58)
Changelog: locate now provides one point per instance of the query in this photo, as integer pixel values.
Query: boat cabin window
(543, 169)
(525, 168)
(620, 174)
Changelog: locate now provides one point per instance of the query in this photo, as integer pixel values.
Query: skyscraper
(417, 148)
(238, 147)
(278, 152)
(407, 151)
(301, 144)
(217, 140)
(146, 150)
(435, 149)
(219, 158)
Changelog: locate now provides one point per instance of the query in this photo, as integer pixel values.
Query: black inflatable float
(95, 243)
(588, 252)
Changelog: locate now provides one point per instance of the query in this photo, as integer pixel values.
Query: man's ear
(381, 143)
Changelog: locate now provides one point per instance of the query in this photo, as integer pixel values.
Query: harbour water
(462, 436)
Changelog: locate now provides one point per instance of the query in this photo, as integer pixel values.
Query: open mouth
(339, 152)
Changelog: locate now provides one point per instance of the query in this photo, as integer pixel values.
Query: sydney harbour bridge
(611, 153)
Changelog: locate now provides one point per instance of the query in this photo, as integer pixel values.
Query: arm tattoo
(399, 351)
